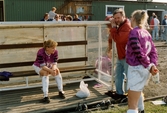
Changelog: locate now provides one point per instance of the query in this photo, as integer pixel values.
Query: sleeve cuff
(43, 64)
(149, 67)
(55, 63)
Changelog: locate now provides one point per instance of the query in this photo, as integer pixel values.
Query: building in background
(26, 10)
(96, 10)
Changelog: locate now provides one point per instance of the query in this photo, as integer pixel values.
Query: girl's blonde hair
(49, 43)
(140, 17)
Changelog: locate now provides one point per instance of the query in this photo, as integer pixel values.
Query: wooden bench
(20, 41)
(30, 72)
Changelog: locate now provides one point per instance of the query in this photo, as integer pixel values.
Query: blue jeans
(121, 67)
(155, 33)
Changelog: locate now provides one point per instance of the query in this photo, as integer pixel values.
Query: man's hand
(112, 21)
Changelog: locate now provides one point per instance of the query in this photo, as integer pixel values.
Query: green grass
(149, 108)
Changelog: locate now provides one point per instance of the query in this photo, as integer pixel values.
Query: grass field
(149, 108)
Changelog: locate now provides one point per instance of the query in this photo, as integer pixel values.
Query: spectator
(164, 29)
(63, 18)
(76, 18)
(52, 13)
(120, 28)
(57, 18)
(155, 31)
(141, 56)
(46, 65)
(69, 18)
(46, 17)
(152, 21)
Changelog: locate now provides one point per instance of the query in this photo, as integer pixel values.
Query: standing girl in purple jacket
(46, 65)
(141, 56)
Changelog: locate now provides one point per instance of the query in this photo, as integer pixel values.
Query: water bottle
(155, 78)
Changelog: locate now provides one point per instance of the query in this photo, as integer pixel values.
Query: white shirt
(51, 15)
(156, 22)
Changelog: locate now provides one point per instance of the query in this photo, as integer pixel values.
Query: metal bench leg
(26, 81)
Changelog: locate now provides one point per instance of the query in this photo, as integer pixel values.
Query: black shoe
(45, 100)
(118, 96)
(124, 100)
(61, 95)
(110, 93)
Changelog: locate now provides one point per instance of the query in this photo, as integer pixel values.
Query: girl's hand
(154, 70)
(54, 73)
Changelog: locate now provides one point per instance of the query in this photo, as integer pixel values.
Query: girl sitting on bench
(46, 65)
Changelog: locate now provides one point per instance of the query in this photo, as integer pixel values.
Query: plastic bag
(84, 91)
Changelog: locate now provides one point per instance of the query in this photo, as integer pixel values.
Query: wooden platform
(27, 100)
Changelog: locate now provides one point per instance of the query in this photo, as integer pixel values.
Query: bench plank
(29, 63)
(62, 70)
(32, 45)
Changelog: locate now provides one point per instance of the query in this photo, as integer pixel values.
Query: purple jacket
(140, 48)
(43, 59)
(105, 64)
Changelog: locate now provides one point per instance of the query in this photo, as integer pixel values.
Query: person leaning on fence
(57, 18)
(164, 29)
(46, 65)
(46, 17)
(76, 18)
(52, 13)
(141, 56)
(119, 32)
(69, 18)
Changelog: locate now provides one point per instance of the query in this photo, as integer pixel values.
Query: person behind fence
(46, 65)
(76, 18)
(69, 18)
(155, 30)
(105, 65)
(141, 56)
(46, 17)
(164, 29)
(119, 32)
(52, 13)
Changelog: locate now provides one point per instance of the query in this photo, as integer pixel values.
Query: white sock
(132, 111)
(59, 82)
(141, 103)
(45, 85)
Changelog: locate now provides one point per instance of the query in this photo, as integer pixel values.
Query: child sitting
(45, 65)
(105, 65)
